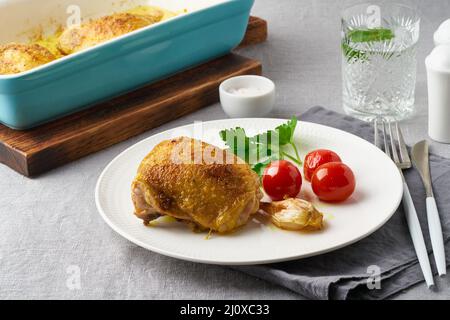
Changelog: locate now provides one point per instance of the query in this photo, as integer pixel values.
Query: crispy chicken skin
(17, 58)
(103, 29)
(211, 194)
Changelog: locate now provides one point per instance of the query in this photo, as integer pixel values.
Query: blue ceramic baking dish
(209, 29)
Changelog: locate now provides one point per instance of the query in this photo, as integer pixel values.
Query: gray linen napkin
(343, 274)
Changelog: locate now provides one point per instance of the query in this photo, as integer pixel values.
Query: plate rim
(180, 256)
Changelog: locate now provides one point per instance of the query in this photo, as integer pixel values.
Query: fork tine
(386, 144)
(376, 133)
(402, 145)
(393, 144)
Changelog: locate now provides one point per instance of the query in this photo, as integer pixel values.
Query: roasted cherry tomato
(282, 180)
(333, 182)
(317, 158)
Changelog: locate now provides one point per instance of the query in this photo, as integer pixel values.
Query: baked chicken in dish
(103, 29)
(198, 183)
(16, 58)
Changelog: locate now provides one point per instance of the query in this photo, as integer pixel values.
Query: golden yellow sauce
(51, 42)
(162, 220)
(144, 10)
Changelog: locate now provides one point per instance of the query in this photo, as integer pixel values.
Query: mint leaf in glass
(371, 35)
(364, 36)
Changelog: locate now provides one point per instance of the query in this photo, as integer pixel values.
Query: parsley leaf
(238, 142)
(263, 148)
(261, 166)
(286, 131)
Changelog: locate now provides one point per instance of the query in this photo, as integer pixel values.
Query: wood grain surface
(257, 32)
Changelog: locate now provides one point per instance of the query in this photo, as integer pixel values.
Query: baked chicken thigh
(198, 183)
(103, 29)
(16, 58)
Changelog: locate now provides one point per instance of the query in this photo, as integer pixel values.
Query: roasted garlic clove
(294, 215)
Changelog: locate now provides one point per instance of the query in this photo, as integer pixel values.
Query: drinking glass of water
(379, 61)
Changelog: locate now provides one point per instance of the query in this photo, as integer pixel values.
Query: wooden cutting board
(38, 150)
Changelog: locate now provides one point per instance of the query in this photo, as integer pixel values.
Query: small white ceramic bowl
(247, 96)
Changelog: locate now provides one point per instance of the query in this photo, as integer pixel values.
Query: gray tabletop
(53, 243)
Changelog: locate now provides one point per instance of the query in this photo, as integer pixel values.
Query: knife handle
(437, 240)
(417, 236)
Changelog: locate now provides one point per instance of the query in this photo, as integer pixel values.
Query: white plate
(378, 195)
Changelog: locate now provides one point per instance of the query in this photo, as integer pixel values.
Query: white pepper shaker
(442, 34)
(438, 72)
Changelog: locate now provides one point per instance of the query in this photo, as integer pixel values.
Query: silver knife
(420, 158)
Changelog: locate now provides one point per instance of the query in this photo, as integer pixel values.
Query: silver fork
(402, 160)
